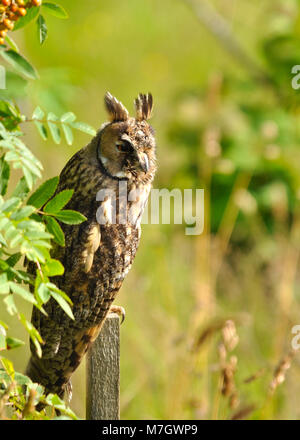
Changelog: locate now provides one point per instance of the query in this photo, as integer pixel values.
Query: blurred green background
(225, 124)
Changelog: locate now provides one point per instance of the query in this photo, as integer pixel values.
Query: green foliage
(42, 29)
(13, 384)
(66, 122)
(55, 9)
(19, 63)
(218, 129)
(32, 13)
(58, 202)
(29, 223)
(43, 193)
(54, 228)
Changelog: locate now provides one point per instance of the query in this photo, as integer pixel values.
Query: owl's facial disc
(125, 151)
(132, 156)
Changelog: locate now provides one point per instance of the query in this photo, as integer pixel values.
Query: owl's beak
(143, 162)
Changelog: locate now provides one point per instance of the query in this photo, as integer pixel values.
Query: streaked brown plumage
(96, 256)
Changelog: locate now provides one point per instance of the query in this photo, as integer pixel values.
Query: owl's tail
(54, 372)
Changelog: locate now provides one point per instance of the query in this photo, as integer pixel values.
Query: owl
(111, 178)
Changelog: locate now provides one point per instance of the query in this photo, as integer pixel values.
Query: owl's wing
(77, 256)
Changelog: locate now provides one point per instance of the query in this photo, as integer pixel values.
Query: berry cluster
(11, 11)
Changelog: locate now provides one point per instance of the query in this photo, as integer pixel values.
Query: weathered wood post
(103, 373)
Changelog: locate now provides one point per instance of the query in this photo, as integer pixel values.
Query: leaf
(38, 113)
(35, 253)
(42, 29)
(11, 156)
(20, 275)
(3, 223)
(3, 345)
(43, 193)
(19, 63)
(16, 239)
(4, 284)
(68, 117)
(10, 204)
(4, 288)
(43, 292)
(23, 213)
(28, 177)
(21, 379)
(23, 21)
(54, 129)
(21, 189)
(54, 288)
(63, 303)
(42, 130)
(11, 43)
(34, 334)
(59, 201)
(10, 304)
(55, 229)
(2, 330)
(10, 232)
(68, 134)
(85, 128)
(53, 268)
(37, 235)
(5, 326)
(9, 368)
(56, 10)
(55, 401)
(13, 343)
(30, 165)
(9, 109)
(70, 217)
(2, 241)
(13, 259)
(18, 290)
(4, 175)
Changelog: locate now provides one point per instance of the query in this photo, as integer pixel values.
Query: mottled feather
(96, 257)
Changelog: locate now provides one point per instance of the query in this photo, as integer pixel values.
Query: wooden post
(103, 373)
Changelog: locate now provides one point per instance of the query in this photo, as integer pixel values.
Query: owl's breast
(99, 253)
(120, 234)
(115, 255)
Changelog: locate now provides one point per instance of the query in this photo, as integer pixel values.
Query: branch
(220, 29)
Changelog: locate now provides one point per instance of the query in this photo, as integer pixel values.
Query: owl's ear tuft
(115, 109)
(143, 105)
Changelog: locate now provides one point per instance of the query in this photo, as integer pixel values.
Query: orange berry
(36, 2)
(2, 41)
(5, 2)
(8, 24)
(22, 11)
(3, 33)
(14, 7)
(21, 2)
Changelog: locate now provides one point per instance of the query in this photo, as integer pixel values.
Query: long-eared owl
(111, 178)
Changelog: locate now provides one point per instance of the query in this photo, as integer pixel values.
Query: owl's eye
(124, 146)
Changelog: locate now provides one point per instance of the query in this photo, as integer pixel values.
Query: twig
(220, 29)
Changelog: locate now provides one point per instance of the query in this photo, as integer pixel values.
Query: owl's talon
(119, 310)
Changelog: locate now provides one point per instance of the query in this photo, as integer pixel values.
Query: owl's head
(126, 148)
